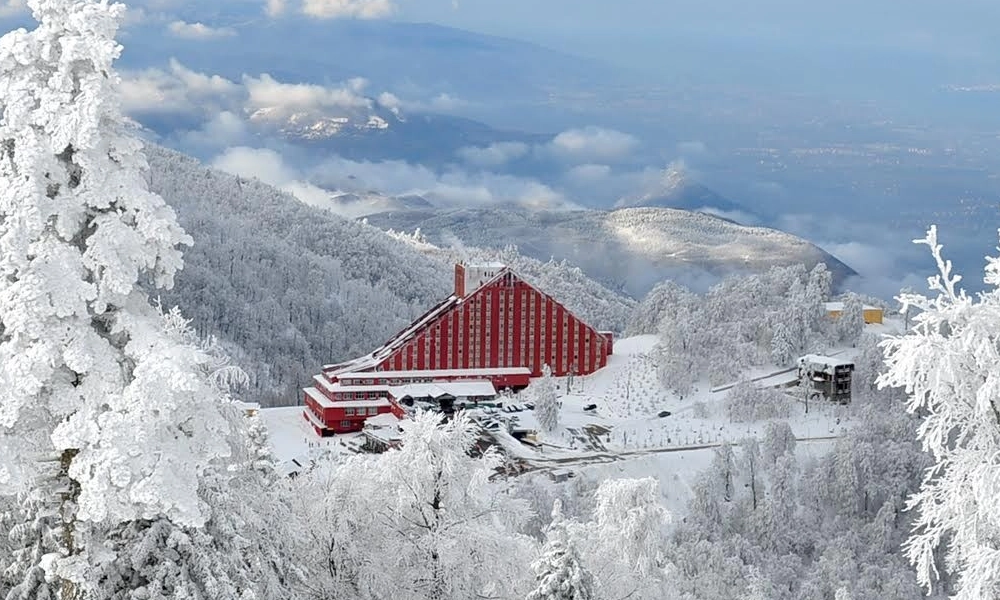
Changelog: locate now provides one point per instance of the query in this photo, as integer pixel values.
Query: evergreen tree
(851, 322)
(109, 415)
(546, 400)
(558, 571)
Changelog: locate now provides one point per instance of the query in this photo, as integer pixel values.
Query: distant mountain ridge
(628, 249)
(391, 54)
(677, 188)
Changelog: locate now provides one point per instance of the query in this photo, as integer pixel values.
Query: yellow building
(872, 314)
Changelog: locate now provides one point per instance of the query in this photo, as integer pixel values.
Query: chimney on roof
(468, 277)
(459, 280)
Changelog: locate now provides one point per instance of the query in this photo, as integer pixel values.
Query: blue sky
(959, 29)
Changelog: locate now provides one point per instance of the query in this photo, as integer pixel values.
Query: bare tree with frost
(949, 365)
(425, 522)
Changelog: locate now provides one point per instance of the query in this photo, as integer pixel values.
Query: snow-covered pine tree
(546, 400)
(106, 417)
(559, 573)
(851, 322)
(783, 347)
(247, 544)
(949, 365)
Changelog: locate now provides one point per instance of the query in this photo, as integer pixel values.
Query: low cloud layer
(267, 92)
(494, 155)
(270, 167)
(451, 187)
(176, 90)
(885, 261)
(318, 184)
(442, 103)
(593, 144)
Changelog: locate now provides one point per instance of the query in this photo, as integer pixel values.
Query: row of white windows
(361, 411)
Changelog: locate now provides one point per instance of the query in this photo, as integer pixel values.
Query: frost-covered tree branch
(949, 366)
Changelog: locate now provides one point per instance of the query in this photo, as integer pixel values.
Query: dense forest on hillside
(288, 287)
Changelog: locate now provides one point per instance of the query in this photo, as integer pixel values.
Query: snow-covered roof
(385, 435)
(435, 373)
(362, 403)
(339, 388)
(325, 402)
(318, 397)
(383, 420)
(372, 360)
(457, 389)
(830, 361)
(839, 306)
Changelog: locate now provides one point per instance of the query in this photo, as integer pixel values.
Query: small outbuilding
(830, 377)
(871, 314)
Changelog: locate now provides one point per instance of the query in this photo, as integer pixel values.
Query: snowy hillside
(629, 249)
(289, 287)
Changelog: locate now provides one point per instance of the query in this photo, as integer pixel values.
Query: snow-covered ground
(292, 437)
(624, 436)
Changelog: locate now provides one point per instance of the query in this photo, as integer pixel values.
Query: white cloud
(593, 144)
(865, 258)
(177, 90)
(356, 9)
(390, 101)
(11, 7)
(134, 15)
(393, 178)
(267, 92)
(221, 131)
(261, 163)
(442, 103)
(494, 155)
(270, 167)
(275, 7)
(201, 84)
(453, 187)
(198, 31)
(446, 103)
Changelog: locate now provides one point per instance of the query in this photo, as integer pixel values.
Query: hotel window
(348, 412)
(372, 410)
(345, 424)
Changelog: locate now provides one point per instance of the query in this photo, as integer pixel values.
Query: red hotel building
(495, 326)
